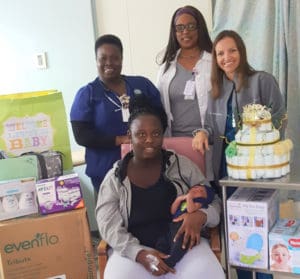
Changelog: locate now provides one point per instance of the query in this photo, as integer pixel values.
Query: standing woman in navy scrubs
(99, 113)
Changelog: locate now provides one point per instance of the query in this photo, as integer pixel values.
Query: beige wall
(143, 27)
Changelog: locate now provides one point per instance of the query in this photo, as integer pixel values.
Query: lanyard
(106, 89)
(123, 100)
(119, 107)
(239, 119)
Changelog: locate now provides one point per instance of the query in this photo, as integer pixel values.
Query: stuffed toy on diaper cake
(257, 151)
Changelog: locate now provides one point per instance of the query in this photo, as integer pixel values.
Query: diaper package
(284, 246)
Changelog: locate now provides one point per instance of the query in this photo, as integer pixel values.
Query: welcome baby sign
(25, 134)
(34, 122)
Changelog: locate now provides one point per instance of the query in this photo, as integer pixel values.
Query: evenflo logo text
(39, 240)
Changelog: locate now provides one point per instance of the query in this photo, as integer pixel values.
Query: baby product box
(52, 246)
(17, 198)
(19, 167)
(60, 193)
(284, 246)
(251, 212)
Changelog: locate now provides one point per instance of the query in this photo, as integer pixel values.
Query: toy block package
(251, 212)
(52, 246)
(17, 198)
(284, 246)
(60, 193)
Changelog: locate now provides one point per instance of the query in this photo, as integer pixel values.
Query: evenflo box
(251, 212)
(17, 198)
(284, 246)
(52, 246)
(60, 193)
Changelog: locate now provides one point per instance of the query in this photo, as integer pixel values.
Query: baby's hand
(181, 198)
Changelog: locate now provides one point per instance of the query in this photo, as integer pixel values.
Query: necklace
(190, 56)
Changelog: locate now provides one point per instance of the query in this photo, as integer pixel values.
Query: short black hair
(108, 39)
(141, 105)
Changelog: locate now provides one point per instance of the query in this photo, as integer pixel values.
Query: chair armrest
(102, 256)
(215, 241)
(102, 248)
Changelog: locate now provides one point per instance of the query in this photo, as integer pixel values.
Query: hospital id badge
(125, 114)
(189, 90)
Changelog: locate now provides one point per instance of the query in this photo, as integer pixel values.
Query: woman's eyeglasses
(188, 27)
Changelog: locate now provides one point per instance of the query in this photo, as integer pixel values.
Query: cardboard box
(60, 193)
(52, 246)
(17, 198)
(284, 246)
(251, 212)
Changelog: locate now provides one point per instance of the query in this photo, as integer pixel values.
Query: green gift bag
(34, 122)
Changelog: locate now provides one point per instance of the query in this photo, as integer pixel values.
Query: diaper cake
(257, 151)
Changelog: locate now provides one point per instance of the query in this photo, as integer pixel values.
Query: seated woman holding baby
(134, 202)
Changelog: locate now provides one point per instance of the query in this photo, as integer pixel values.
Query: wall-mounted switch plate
(41, 60)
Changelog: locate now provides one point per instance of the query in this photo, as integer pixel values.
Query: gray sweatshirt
(114, 201)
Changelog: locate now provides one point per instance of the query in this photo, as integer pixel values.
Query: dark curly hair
(141, 105)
